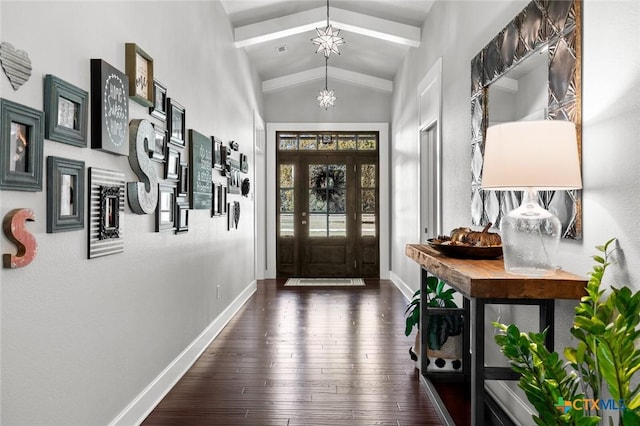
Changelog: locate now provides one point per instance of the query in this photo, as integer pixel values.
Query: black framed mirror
(109, 224)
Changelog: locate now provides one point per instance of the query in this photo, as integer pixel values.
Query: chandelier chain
(327, 13)
(328, 40)
(326, 73)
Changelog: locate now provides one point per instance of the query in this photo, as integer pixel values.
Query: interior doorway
(430, 112)
(327, 210)
(429, 206)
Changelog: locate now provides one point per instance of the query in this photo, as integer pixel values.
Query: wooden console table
(483, 282)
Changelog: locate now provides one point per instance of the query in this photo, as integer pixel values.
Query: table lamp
(531, 156)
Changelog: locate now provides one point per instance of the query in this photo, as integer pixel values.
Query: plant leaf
(630, 418)
(634, 402)
(606, 363)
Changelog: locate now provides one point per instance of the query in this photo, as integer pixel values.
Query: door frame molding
(429, 114)
(259, 193)
(383, 164)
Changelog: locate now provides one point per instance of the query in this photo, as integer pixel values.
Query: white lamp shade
(531, 154)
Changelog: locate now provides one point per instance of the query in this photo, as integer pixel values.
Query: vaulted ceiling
(276, 35)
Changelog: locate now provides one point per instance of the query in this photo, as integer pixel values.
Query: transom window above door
(327, 141)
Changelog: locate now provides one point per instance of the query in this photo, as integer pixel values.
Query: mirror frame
(558, 25)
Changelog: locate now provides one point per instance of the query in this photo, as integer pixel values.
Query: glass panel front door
(328, 205)
(327, 200)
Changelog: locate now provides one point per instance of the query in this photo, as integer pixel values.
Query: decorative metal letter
(15, 230)
(142, 196)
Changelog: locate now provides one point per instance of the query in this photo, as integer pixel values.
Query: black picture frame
(230, 183)
(66, 112)
(139, 68)
(172, 165)
(217, 153)
(244, 164)
(219, 202)
(182, 217)
(109, 108)
(21, 147)
(109, 219)
(224, 160)
(65, 194)
(99, 179)
(183, 183)
(215, 190)
(234, 182)
(166, 210)
(159, 108)
(222, 203)
(176, 119)
(158, 150)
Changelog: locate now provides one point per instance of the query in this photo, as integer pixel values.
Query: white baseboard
(406, 291)
(512, 404)
(145, 402)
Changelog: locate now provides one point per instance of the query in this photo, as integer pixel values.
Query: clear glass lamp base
(530, 238)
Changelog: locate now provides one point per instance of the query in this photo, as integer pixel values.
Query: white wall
(296, 108)
(81, 338)
(354, 104)
(457, 31)
(533, 92)
(272, 194)
(528, 102)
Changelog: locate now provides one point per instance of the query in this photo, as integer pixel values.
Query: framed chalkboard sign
(109, 108)
(200, 157)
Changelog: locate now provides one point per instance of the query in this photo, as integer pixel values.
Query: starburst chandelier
(326, 98)
(328, 38)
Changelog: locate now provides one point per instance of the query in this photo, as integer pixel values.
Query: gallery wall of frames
(199, 171)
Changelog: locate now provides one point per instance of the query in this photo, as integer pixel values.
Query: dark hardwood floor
(305, 356)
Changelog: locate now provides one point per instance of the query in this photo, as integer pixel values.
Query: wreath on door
(327, 182)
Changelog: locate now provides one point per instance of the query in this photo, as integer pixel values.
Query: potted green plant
(439, 326)
(607, 354)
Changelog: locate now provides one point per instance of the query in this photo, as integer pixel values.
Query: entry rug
(324, 282)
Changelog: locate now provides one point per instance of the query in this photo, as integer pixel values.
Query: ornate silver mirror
(533, 68)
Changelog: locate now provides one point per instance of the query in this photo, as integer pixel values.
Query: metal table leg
(466, 342)
(546, 321)
(477, 362)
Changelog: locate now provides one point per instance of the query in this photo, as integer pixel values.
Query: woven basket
(450, 353)
(451, 349)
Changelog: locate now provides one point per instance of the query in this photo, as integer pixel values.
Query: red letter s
(15, 230)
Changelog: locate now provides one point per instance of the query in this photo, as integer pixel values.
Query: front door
(327, 210)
